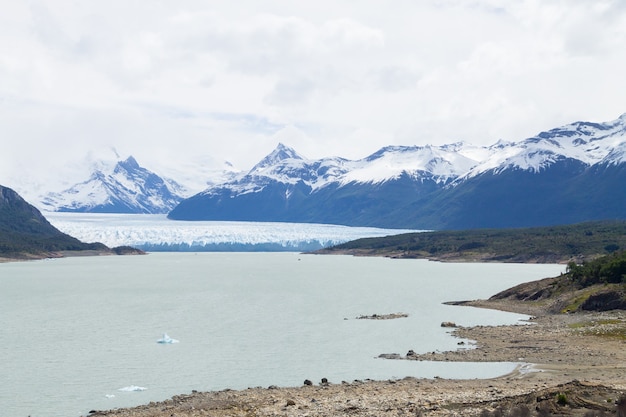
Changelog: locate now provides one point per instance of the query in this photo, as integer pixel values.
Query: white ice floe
(132, 388)
(166, 339)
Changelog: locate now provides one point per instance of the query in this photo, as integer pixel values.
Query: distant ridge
(554, 244)
(570, 174)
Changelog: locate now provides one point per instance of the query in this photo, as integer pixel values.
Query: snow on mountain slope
(195, 174)
(124, 187)
(92, 181)
(284, 165)
(111, 184)
(278, 155)
(616, 156)
(35, 184)
(440, 163)
(450, 164)
(590, 143)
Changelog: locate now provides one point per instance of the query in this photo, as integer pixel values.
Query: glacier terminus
(155, 233)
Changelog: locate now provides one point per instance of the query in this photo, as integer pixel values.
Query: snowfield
(154, 232)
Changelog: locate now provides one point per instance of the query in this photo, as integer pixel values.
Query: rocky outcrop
(383, 316)
(605, 300)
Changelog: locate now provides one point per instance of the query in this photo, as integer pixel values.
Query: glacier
(156, 233)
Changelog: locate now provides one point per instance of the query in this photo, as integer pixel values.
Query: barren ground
(569, 365)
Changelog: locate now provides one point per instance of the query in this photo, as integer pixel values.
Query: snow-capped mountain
(568, 174)
(571, 173)
(285, 186)
(437, 163)
(123, 187)
(104, 182)
(589, 143)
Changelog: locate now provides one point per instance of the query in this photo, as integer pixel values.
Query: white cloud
(231, 80)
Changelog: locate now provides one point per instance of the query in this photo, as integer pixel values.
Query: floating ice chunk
(110, 396)
(132, 388)
(166, 339)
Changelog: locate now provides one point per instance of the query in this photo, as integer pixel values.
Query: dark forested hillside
(24, 231)
(538, 244)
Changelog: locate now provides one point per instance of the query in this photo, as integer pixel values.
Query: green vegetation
(600, 283)
(561, 398)
(609, 269)
(540, 244)
(611, 328)
(595, 285)
(576, 302)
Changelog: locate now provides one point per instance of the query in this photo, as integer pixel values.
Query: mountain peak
(280, 153)
(129, 164)
(391, 149)
(128, 188)
(283, 151)
(621, 120)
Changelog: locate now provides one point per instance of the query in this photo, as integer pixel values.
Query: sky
(170, 81)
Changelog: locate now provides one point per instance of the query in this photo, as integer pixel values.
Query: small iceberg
(132, 388)
(166, 339)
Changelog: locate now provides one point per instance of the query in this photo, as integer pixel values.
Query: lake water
(77, 330)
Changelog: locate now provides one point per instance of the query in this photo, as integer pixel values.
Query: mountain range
(569, 174)
(565, 175)
(108, 183)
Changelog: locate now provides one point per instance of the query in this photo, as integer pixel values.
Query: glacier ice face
(154, 232)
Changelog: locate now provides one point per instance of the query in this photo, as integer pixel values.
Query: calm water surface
(76, 331)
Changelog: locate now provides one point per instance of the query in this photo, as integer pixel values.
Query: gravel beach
(569, 364)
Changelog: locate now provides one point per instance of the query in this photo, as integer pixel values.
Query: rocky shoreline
(569, 364)
(456, 257)
(121, 250)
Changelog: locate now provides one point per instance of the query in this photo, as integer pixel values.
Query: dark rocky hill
(598, 285)
(26, 234)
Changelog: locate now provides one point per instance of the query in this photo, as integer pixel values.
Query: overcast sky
(169, 80)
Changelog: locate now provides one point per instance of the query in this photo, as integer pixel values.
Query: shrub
(561, 399)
